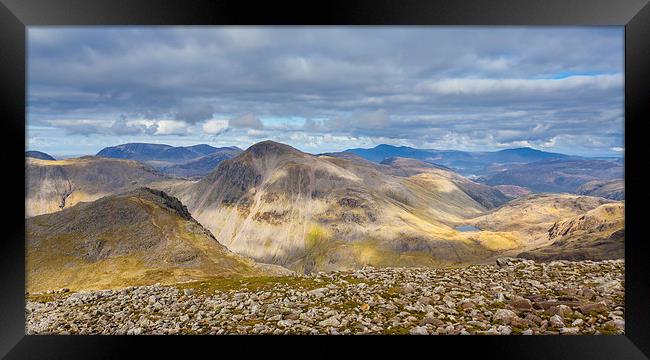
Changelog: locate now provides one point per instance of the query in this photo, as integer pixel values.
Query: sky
(323, 89)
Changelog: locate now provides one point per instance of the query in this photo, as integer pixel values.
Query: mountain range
(181, 161)
(464, 162)
(274, 204)
(531, 169)
(528, 169)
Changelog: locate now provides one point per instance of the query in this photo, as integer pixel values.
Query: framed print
(425, 169)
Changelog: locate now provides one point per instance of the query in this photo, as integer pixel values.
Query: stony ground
(513, 296)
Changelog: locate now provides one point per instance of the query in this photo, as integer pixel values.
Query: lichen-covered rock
(363, 301)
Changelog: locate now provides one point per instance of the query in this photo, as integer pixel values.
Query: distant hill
(191, 161)
(139, 237)
(465, 162)
(201, 166)
(38, 155)
(555, 175)
(54, 185)
(525, 168)
(382, 152)
(524, 155)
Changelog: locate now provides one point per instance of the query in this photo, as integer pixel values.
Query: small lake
(464, 228)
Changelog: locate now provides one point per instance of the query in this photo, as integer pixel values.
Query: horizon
(327, 89)
(73, 155)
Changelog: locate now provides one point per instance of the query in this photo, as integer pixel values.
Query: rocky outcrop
(596, 235)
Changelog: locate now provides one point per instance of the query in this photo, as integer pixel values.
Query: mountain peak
(267, 147)
(160, 197)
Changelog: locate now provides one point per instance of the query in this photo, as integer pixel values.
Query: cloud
(215, 127)
(194, 112)
(120, 127)
(170, 127)
(370, 119)
(474, 88)
(247, 121)
(82, 126)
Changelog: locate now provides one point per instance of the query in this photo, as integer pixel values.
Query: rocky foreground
(514, 296)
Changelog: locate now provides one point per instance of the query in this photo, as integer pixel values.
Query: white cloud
(550, 143)
(171, 127)
(214, 127)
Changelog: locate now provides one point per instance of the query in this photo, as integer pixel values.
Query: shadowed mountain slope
(160, 152)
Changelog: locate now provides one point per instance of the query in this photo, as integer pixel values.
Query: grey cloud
(194, 112)
(247, 121)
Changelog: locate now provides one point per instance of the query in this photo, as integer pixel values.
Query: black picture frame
(16, 15)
